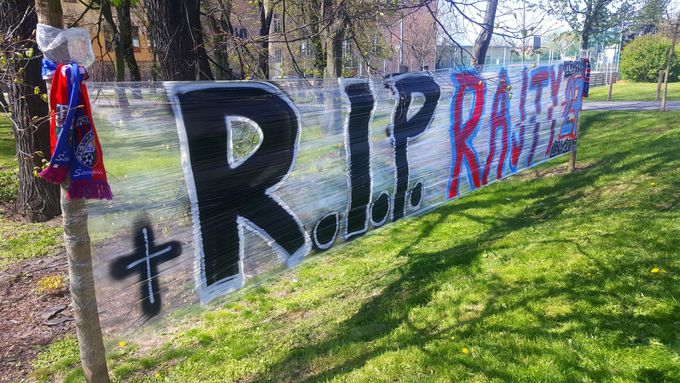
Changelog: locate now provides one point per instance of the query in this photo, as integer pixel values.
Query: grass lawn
(19, 240)
(7, 148)
(561, 278)
(631, 91)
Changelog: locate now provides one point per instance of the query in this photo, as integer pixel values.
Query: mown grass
(20, 240)
(7, 148)
(633, 91)
(561, 278)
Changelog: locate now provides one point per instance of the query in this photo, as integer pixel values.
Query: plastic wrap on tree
(65, 45)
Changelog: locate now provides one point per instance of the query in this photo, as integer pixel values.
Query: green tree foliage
(644, 57)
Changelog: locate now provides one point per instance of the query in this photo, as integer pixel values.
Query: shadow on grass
(384, 323)
(389, 310)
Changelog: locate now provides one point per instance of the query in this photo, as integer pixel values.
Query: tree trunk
(50, 13)
(266, 12)
(37, 200)
(315, 33)
(590, 15)
(585, 37)
(81, 281)
(334, 54)
(125, 31)
(219, 29)
(334, 35)
(669, 62)
(484, 39)
(119, 51)
(175, 26)
(77, 245)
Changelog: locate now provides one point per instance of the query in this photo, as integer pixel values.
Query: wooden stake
(571, 164)
(658, 86)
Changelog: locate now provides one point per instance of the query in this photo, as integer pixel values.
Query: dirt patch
(30, 319)
(557, 170)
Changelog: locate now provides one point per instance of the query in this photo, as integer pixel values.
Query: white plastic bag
(65, 45)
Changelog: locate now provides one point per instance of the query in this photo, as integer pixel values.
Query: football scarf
(76, 153)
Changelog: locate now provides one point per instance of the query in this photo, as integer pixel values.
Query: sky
(509, 17)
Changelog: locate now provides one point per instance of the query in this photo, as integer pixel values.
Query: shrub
(9, 185)
(644, 57)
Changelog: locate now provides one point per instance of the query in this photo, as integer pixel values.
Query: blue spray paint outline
(452, 133)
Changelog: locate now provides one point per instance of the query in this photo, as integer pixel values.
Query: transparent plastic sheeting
(217, 184)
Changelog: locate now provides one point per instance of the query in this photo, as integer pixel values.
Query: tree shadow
(415, 286)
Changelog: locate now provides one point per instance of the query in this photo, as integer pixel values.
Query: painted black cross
(144, 260)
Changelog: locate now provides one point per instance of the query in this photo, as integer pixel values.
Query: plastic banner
(218, 184)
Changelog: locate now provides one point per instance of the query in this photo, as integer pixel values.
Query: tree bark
(50, 13)
(266, 12)
(334, 34)
(590, 16)
(37, 199)
(81, 280)
(77, 245)
(334, 54)
(119, 51)
(175, 26)
(219, 29)
(484, 38)
(125, 30)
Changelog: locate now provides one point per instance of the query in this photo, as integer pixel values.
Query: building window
(277, 25)
(306, 48)
(277, 55)
(135, 38)
(241, 33)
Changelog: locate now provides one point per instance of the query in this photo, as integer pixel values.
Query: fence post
(571, 164)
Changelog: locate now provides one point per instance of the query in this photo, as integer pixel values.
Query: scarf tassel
(54, 173)
(87, 189)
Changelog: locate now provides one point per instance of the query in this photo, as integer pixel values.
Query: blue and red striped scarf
(76, 153)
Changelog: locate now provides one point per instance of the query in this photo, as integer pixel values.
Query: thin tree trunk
(219, 43)
(669, 62)
(314, 32)
(484, 39)
(334, 37)
(81, 280)
(266, 13)
(119, 63)
(77, 245)
(125, 30)
(37, 200)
